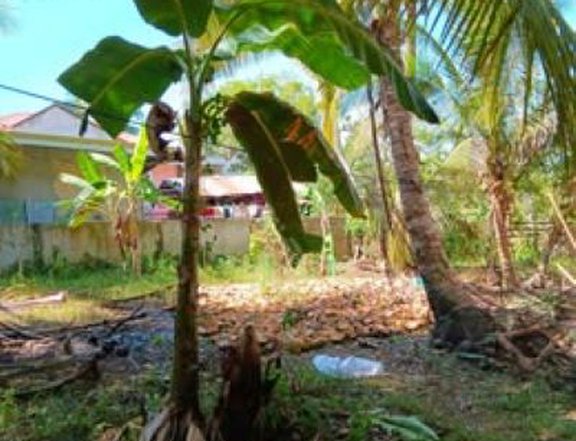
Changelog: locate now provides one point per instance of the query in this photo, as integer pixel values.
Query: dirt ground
(360, 314)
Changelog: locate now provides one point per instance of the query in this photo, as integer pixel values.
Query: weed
(75, 414)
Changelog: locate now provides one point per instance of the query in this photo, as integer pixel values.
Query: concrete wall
(42, 243)
(39, 177)
(342, 246)
(20, 244)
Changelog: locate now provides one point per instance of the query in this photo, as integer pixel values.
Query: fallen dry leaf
(309, 314)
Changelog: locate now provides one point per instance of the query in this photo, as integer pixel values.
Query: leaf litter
(308, 314)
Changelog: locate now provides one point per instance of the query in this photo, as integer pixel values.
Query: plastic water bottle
(347, 367)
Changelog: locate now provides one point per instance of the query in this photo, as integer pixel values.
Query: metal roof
(216, 186)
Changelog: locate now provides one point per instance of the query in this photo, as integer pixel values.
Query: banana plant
(117, 77)
(116, 196)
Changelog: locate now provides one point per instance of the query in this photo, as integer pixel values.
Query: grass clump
(79, 412)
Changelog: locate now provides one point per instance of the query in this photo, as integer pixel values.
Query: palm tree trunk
(550, 244)
(500, 215)
(386, 223)
(503, 244)
(443, 292)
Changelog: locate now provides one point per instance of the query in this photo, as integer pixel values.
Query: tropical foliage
(117, 77)
(114, 188)
(11, 158)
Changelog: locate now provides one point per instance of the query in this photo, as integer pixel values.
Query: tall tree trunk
(330, 107)
(386, 223)
(566, 209)
(185, 376)
(551, 241)
(443, 291)
(500, 216)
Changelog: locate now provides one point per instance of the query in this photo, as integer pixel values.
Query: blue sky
(50, 35)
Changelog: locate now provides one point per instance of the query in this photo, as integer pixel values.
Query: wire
(69, 104)
(132, 122)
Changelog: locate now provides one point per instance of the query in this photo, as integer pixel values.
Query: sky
(49, 35)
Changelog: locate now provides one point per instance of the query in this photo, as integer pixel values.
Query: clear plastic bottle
(347, 367)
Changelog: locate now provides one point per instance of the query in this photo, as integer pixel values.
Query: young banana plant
(117, 77)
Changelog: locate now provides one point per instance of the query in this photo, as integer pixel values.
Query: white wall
(22, 244)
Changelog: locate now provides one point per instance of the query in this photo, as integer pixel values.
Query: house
(49, 141)
(211, 165)
(32, 223)
(222, 196)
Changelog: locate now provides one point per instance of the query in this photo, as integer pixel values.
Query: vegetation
(473, 241)
(11, 157)
(117, 197)
(281, 144)
(485, 406)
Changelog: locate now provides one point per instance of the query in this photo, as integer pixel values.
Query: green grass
(80, 412)
(457, 400)
(108, 282)
(499, 409)
(460, 402)
(87, 282)
(91, 287)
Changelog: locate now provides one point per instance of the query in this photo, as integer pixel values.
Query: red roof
(13, 120)
(8, 122)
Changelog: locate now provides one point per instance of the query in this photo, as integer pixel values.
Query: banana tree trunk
(185, 376)
(134, 238)
(136, 249)
(444, 293)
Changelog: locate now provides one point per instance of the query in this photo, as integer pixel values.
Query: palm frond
(468, 156)
(484, 34)
(11, 157)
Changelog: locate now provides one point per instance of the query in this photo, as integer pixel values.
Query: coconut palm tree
(480, 36)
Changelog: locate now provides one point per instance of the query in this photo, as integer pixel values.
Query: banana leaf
(118, 77)
(301, 146)
(274, 177)
(176, 17)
